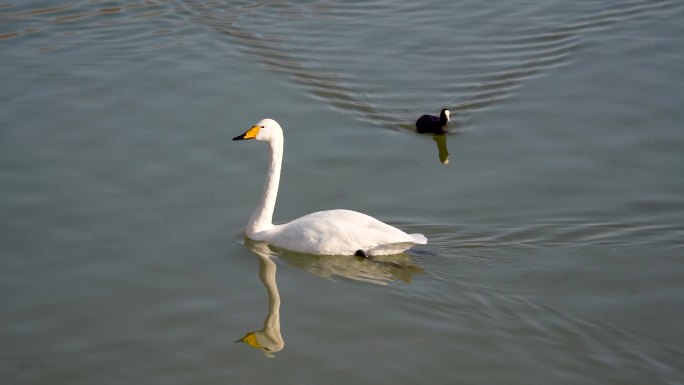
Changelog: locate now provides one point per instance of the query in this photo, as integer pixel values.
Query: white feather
(330, 232)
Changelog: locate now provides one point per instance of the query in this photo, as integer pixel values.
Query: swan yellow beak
(249, 134)
(251, 340)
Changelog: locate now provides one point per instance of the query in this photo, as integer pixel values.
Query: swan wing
(341, 232)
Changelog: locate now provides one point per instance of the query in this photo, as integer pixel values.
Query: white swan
(330, 232)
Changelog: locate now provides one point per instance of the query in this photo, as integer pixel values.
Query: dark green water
(556, 230)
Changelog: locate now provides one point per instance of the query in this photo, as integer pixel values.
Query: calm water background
(556, 229)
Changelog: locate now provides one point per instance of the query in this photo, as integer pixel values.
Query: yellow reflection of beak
(251, 340)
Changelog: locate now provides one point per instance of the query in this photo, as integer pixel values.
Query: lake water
(556, 229)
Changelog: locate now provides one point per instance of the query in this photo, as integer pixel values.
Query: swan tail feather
(419, 238)
(397, 247)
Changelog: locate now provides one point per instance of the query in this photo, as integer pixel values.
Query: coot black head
(444, 115)
(430, 124)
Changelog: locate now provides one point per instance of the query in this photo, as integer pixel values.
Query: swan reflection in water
(268, 339)
(377, 270)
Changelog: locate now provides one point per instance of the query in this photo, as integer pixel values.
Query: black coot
(430, 124)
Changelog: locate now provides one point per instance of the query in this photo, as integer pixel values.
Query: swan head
(265, 129)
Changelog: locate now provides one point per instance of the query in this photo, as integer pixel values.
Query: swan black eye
(262, 126)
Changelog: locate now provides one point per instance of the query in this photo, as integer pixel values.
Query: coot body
(430, 124)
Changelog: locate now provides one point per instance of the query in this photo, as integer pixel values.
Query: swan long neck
(262, 218)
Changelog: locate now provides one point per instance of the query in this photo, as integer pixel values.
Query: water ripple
(540, 334)
(27, 19)
(374, 85)
(494, 68)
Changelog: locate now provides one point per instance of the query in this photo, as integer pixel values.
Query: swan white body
(330, 232)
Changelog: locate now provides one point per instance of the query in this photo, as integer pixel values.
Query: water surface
(556, 228)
